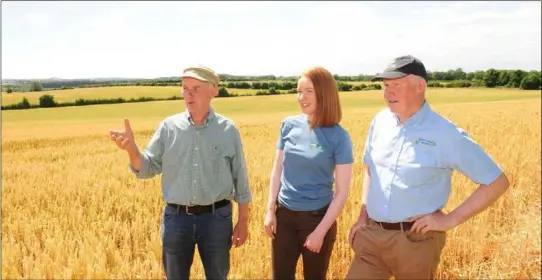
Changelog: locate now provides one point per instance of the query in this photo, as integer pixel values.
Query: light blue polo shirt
(411, 165)
(309, 160)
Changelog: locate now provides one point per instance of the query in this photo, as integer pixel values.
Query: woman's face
(306, 96)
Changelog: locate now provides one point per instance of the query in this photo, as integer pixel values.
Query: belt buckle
(186, 210)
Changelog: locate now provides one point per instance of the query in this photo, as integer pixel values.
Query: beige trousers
(382, 253)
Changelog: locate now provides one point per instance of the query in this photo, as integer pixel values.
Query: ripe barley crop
(71, 208)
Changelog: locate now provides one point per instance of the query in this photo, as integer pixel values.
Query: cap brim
(193, 75)
(388, 75)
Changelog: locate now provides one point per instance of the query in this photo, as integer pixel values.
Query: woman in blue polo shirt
(302, 205)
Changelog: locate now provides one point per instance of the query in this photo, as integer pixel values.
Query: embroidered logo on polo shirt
(425, 142)
(317, 146)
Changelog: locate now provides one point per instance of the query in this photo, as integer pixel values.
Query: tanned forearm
(481, 199)
(136, 159)
(242, 215)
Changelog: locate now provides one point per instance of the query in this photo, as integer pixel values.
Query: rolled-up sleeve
(242, 193)
(471, 160)
(151, 164)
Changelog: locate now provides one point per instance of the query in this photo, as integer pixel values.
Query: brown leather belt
(199, 209)
(395, 226)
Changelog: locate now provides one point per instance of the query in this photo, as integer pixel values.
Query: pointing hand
(123, 139)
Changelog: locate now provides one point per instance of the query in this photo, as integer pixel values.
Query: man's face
(403, 94)
(197, 94)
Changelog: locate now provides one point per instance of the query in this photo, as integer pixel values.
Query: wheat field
(71, 208)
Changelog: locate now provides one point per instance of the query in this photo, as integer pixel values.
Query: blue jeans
(211, 232)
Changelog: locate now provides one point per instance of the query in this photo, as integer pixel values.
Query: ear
(214, 90)
(421, 84)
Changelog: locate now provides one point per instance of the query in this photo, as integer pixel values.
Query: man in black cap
(410, 154)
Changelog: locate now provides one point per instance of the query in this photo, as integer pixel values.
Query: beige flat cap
(201, 73)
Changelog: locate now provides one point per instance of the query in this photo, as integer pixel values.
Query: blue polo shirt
(411, 165)
(309, 161)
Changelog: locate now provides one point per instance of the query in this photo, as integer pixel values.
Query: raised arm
(146, 164)
(125, 141)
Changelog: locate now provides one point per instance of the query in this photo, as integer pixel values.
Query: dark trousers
(211, 232)
(293, 228)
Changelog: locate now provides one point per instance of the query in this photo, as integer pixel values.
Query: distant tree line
(452, 78)
(48, 101)
(529, 80)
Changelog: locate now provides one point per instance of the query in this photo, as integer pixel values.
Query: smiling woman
(313, 151)
(319, 98)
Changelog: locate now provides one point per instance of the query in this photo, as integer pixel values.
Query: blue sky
(142, 39)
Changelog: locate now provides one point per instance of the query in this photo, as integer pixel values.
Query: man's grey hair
(414, 80)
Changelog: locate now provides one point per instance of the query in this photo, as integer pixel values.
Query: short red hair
(328, 104)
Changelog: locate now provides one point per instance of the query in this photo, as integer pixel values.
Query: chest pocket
(214, 156)
(418, 166)
(217, 150)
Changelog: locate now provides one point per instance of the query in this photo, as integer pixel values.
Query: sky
(147, 40)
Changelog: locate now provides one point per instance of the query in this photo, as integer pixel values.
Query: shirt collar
(210, 116)
(418, 117)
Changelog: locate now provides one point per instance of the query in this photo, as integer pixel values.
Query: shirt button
(196, 148)
(194, 181)
(195, 164)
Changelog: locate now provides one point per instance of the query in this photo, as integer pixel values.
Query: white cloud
(484, 39)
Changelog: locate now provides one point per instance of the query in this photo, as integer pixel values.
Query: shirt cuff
(143, 172)
(243, 198)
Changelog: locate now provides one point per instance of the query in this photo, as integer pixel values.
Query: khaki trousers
(382, 253)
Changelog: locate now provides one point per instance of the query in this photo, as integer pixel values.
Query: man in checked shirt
(200, 156)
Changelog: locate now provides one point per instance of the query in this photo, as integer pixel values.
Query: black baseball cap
(402, 66)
